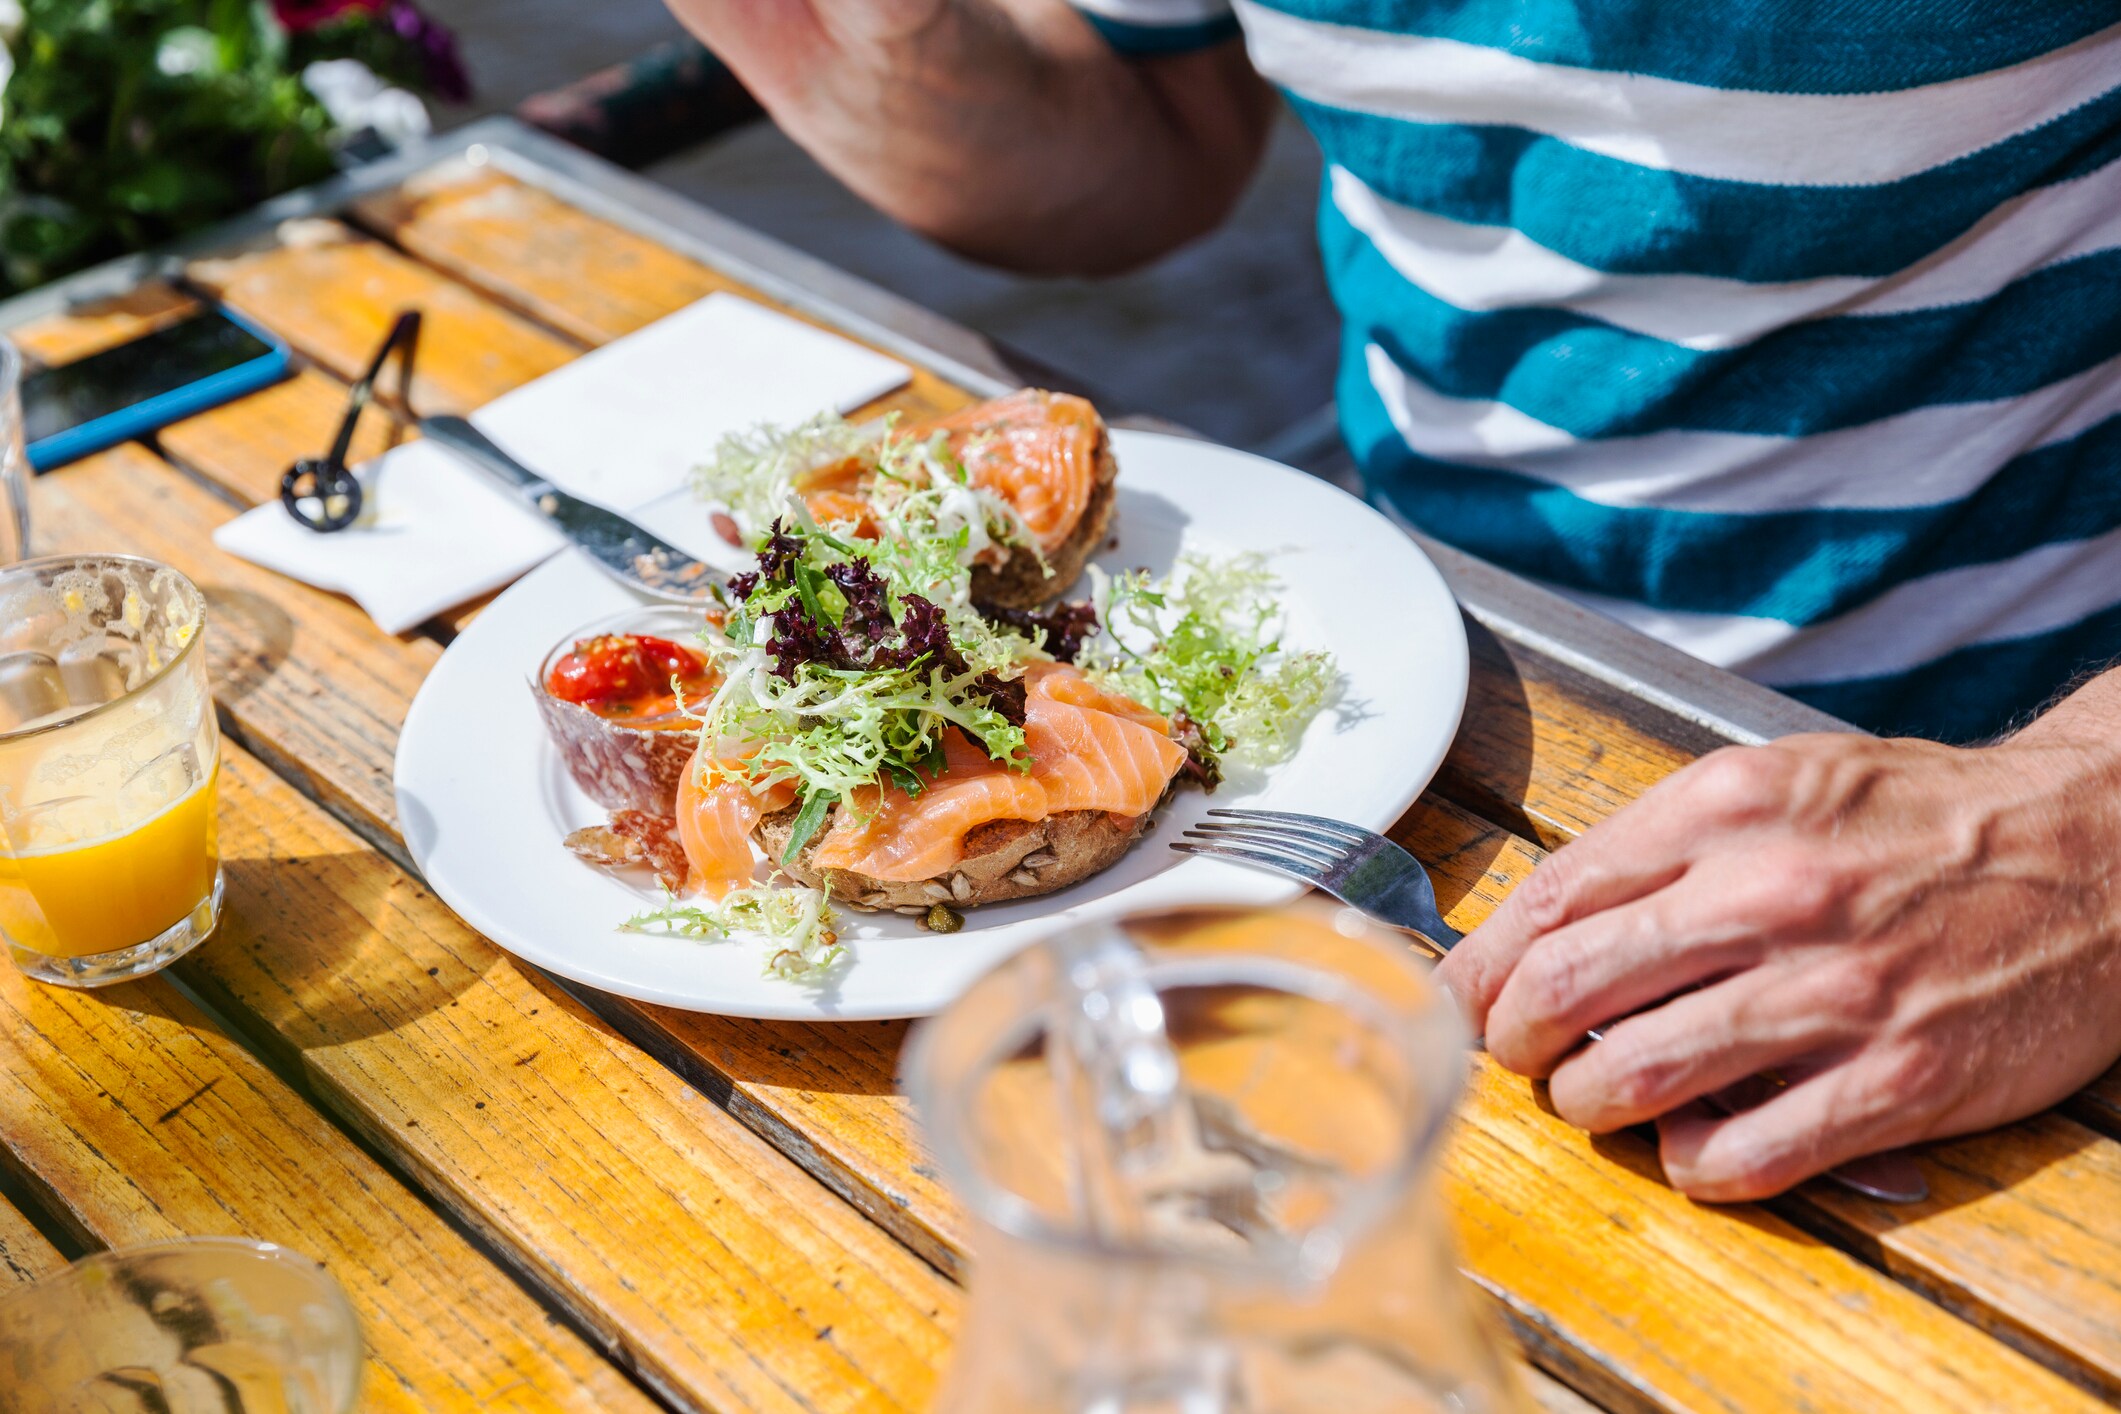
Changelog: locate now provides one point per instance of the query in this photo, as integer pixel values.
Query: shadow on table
(319, 949)
(247, 639)
(1960, 1171)
(1489, 768)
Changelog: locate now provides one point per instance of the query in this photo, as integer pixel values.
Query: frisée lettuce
(1203, 648)
(796, 924)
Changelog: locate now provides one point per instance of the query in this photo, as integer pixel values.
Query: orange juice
(83, 898)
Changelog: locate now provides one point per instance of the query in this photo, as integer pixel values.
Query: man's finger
(1590, 973)
(1805, 1130)
(1608, 866)
(1694, 1045)
(1624, 857)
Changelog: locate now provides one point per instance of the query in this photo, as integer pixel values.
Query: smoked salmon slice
(715, 822)
(907, 837)
(1090, 750)
(1094, 750)
(1036, 450)
(1059, 682)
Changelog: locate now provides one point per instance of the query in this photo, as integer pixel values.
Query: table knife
(615, 544)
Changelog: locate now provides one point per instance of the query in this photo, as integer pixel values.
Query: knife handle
(460, 436)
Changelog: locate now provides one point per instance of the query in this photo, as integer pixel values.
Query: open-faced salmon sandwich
(1028, 477)
(973, 828)
(875, 730)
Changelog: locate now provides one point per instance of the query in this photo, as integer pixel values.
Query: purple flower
(436, 45)
(299, 15)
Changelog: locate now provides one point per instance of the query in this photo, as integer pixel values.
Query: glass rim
(183, 654)
(11, 362)
(273, 1252)
(1369, 1198)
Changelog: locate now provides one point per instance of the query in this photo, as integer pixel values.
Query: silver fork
(1368, 872)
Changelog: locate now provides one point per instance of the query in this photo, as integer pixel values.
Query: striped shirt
(1788, 331)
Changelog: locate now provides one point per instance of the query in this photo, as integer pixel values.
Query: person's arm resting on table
(1921, 940)
(1011, 130)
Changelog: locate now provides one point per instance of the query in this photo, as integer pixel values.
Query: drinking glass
(109, 760)
(1197, 1147)
(210, 1325)
(14, 462)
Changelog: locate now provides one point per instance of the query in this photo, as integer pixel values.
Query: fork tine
(1280, 864)
(1305, 846)
(1344, 844)
(1338, 829)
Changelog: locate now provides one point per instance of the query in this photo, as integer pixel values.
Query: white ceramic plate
(484, 800)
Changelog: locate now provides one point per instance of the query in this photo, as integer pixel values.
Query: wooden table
(545, 1198)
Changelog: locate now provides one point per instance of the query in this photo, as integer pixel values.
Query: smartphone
(183, 368)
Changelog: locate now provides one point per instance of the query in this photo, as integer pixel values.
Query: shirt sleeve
(1149, 27)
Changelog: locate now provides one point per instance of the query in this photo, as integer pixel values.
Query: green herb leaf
(807, 820)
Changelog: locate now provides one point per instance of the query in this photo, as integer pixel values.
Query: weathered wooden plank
(2021, 1234)
(24, 1254)
(332, 293)
(83, 329)
(527, 249)
(572, 1152)
(145, 1124)
(304, 677)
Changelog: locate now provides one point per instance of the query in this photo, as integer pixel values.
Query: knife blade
(613, 543)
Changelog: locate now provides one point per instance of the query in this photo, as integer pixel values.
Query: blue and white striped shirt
(1788, 331)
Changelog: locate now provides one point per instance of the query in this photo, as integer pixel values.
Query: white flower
(356, 99)
(10, 27)
(399, 117)
(187, 49)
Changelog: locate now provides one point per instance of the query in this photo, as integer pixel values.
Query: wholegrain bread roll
(1019, 581)
(1004, 859)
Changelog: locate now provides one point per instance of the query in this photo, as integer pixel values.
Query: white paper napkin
(620, 426)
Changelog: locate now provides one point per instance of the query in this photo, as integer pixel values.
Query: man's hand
(1919, 940)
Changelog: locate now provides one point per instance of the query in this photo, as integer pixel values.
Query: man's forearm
(1003, 128)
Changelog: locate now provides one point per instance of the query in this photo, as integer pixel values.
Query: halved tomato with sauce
(630, 676)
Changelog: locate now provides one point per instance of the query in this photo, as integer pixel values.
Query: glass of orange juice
(109, 759)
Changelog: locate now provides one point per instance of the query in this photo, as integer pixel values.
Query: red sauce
(630, 675)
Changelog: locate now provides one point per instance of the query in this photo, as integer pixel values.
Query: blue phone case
(160, 411)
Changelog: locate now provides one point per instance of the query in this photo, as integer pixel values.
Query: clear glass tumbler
(14, 462)
(109, 760)
(1198, 1148)
(211, 1325)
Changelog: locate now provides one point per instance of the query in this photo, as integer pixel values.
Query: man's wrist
(2085, 724)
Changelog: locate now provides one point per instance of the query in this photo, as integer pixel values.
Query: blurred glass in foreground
(14, 460)
(1199, 1148)
(210, 1325)
(109, 765)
